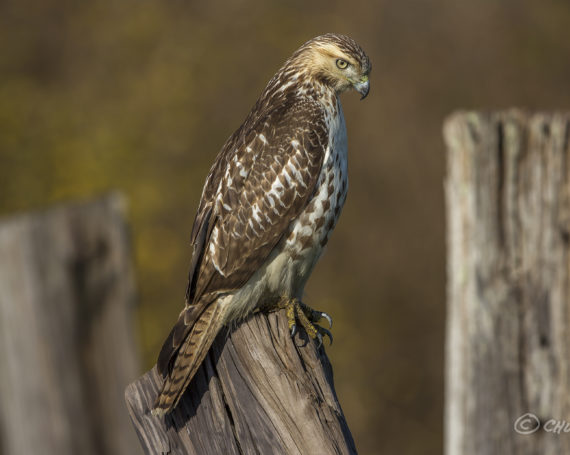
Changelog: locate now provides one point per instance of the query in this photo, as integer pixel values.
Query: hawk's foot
(298, 312)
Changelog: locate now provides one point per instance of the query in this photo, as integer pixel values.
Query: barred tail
(189, 357)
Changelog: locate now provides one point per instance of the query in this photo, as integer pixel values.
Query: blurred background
(140, 96)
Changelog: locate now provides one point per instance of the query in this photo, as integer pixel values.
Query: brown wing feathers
(252, 216)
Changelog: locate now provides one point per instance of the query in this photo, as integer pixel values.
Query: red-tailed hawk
(268, 207)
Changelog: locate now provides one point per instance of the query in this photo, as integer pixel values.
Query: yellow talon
(291, 315)
(297, 311)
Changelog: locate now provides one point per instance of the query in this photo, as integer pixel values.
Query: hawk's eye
(342, 64)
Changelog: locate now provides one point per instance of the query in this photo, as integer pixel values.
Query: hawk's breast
(309, 233)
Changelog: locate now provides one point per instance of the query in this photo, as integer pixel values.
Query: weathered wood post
(258, 391)
(66, 343)
(508, 332)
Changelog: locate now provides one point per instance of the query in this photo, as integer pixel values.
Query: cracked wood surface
(258, 391)
(508, 334)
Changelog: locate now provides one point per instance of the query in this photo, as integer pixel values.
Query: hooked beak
(362, 86)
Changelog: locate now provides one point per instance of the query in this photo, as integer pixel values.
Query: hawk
(268, 207)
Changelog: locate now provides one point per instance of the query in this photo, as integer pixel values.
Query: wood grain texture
(257, 391)
(508, 332)
(66, 342)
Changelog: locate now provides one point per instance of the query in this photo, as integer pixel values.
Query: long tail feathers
(189, 358)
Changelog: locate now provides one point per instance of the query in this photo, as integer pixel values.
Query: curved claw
(328, 318)
(322, 331)
(293, 330)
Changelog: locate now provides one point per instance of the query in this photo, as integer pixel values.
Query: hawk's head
(337, 61)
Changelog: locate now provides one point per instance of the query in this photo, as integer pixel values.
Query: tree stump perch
(67, 349)
(257, 391)
(508, 331)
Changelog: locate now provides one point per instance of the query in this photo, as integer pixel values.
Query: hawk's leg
(299, 313)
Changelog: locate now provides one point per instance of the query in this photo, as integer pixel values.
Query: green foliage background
(140, 96)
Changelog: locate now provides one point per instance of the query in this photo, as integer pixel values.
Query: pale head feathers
(322, 59)
(314, 68)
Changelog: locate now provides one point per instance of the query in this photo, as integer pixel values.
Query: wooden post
(508, 332)
(66, 342)
(256, 392)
